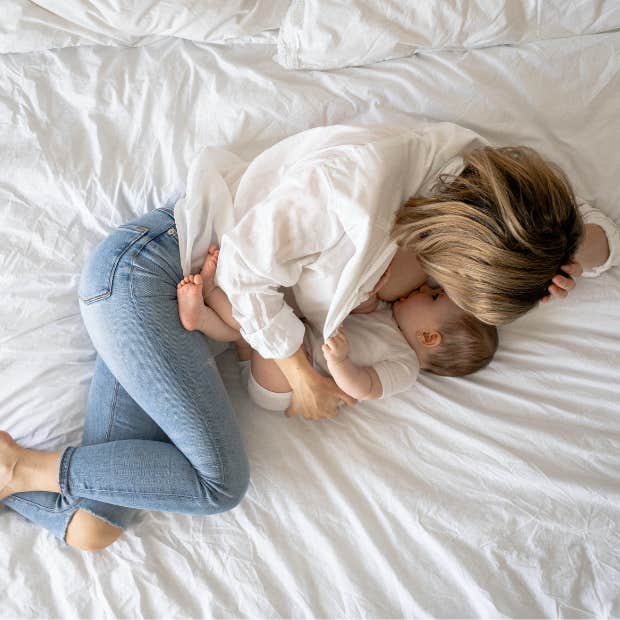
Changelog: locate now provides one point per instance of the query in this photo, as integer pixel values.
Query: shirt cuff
(612, 232)
(280, 338)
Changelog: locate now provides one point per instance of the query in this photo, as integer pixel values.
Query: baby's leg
(215, 298)
(266, 384)
(195, 315)
(268, 374)
(213, 295)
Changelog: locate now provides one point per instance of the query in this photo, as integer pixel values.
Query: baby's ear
(429, 337)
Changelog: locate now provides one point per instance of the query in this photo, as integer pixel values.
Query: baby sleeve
(397, 375)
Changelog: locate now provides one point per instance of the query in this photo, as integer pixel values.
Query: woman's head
(495, 235)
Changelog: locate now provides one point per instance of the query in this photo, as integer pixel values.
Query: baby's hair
(495, 235)
(467, 346)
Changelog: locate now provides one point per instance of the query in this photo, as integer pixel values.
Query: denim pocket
(98, 273)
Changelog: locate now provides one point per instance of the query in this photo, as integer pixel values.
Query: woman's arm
(594, 249)
(314, 396)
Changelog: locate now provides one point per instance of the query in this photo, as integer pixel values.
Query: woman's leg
(128, 301)
(84, 523)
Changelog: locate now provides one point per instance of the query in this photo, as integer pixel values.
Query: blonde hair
(495, 235)
(467, 345)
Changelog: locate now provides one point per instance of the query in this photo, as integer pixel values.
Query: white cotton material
(489, 496)
(329, 34)
(39, 25)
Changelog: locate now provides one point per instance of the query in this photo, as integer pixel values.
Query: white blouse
(314, 212)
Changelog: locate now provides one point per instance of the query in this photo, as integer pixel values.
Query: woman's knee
(89, 533)
(225, 495)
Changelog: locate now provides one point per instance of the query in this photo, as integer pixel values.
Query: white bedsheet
(494, 495)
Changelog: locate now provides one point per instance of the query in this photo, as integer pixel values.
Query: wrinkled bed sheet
(494, 495)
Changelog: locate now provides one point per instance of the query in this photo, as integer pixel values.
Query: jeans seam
(187, 390)
(113, 416)
(63, 469)
(134, 494)
(41, 507)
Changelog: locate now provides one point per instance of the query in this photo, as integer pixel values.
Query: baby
(380, 355)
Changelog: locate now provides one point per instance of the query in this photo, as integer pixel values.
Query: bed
(495, 495)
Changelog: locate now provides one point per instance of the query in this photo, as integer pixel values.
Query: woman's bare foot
(23, 469)
(192, 309)
(9, 456)
(208, 270)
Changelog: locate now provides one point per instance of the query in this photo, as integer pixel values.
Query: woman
(159, 432)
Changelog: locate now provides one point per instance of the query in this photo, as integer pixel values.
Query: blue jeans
(160, 432)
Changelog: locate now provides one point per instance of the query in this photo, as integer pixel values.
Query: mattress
(492, 495)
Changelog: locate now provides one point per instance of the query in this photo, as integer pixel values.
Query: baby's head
(447, 340)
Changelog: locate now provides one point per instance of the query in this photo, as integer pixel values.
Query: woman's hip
(146, 247)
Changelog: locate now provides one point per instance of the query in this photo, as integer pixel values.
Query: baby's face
(423, 309)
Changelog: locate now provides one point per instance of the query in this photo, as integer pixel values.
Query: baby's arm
(360, 382)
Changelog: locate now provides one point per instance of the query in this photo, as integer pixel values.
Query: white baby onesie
(374, 340)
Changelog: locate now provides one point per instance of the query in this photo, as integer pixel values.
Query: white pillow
(328, 34)
(47, 24)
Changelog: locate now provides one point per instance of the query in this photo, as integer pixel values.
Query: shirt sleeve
(268, 248)
(592, 215)
(397, 375)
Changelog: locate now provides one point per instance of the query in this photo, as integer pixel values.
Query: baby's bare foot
(192, 309)
(208, 269)
(9, 455)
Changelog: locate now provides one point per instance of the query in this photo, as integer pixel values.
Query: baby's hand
(336, 349)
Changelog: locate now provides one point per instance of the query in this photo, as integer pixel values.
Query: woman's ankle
(36, 470)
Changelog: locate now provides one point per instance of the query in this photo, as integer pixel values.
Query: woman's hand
(592, 252)
(318, 398)
(561, 285)
(314, 396)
